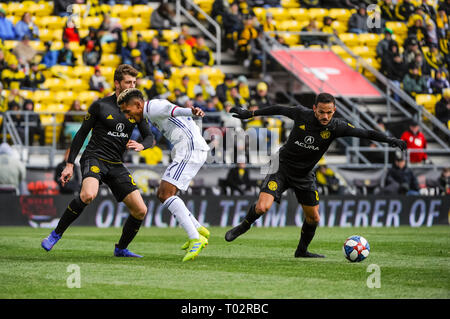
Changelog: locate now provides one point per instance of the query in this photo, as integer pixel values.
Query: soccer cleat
(237, 231)
(202, 231)
(118, 252)
(307, 254)
(50, 241)
(195, 247)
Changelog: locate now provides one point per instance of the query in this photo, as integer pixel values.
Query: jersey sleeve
(147, 136)
(347, 129)
(88, 123)
(164, 108)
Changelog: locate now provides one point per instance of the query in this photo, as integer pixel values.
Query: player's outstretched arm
(244, 114)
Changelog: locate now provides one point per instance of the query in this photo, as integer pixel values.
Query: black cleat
(307, 254)
(237, 231)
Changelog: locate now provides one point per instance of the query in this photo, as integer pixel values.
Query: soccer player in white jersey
(177, 125)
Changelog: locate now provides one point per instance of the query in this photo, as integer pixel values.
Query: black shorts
(304, 187)
(116, 176)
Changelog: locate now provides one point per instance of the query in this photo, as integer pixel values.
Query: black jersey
(309, 139)
(111, 131)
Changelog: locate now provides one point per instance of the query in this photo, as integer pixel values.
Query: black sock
(251, 216)
(130, 229)
(308, 231)
(73, 210)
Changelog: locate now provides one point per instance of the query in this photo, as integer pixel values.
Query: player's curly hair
(128, 94)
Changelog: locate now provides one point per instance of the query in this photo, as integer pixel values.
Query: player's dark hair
(325, 98)
(128, 94)
(124, 69)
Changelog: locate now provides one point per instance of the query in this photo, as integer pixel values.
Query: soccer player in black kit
(102, 162)
(312, 134)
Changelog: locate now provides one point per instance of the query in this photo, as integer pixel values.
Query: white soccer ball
(356, 248)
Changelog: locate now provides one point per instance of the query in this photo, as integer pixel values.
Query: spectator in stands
(387, 8)
(310, 3)
(308, 40)
(34, 124)
(400, 179)
(235, 97)
(92, 53)
(24, 51)
(199, 101)
(384, 44)
(435, 59)
(378, 23)
(3, 101)
(227, 119)
(246, 41)
(187, 86)
(411, 50)
(243, 88)
(414, 83)
(162, 17)
(403, 10)
(70, 32)
(203, 55)
(50, 57)
(180, 53)
(233, 26)
(154, 64)
(7, 29)
(444, 181)
(12, 78)
(237, 180)
(222, 90)
(16, 172)
(138, 62)
(26, 27)
(437, 84)
(60, 7)
(442, 24)
(3, 62)
(327, 26)
(204, 87)
(158, 90)
(424, 67)
(35, 78)
(190, 40)
(261, 96)
(327, 180)
(97, 82)
(154, 45)
(74, 184)
(66, 55)
(143, 46)
(74, 118)
(442, 109)
(269, 25)
(126, 51)
(358, 21)
(15, 97)
(418, 30)
(415, 140)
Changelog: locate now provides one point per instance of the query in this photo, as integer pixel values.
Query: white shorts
(184, 167)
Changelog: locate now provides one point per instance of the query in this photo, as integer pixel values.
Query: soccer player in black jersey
(102, 162)
(312, 134)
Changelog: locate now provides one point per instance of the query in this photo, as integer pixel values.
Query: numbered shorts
(304, 187)
(184, 167)
(116, 176)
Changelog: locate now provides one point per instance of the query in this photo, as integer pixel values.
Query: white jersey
(175, 124)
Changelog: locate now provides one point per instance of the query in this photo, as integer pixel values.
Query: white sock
(183, 216)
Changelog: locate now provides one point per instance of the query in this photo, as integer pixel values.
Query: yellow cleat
(202, 231)
(195, 247)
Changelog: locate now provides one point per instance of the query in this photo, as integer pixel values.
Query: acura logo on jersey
(309, 139)
(120, 127)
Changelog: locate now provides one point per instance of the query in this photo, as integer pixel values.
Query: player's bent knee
(262, 208)
(87, 197)
(140, 213)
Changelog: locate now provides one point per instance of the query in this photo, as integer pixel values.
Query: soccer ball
(356, 248)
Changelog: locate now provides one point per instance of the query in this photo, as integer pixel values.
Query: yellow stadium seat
(192, 72)
(291, 25)
(428, 101)
(109, 47)
(16, 8)
(65, 97)
(363, 51)
(88, 97)
(290, 3)
(53, 22)
(137, 23)
(62, 70)
(76, 48)
(77, 85)
(279, 14)
(299, 14)
(54, 84)
(83, 32)
(45, 35)
(169, 35)
(144, 83)
(398, 28)
(340, 51)
(317, 13)
(38, 107)
(260, 13)
(369, 39)
(143, 11)
(339, 26)
(57, 35)
(338, 14)
(10, 44)
(215, 75)
(42, 9)
(108, 73)
(349, 39)
(37, 45)
(93, 21)
(373, 62)
(122, 11)
(112, 60)
(291, 39)
(148, 34)
(351, 62)
(44, 97)
(83, 72)
(57, 45)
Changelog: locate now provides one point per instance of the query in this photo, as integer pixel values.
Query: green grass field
(414, 263)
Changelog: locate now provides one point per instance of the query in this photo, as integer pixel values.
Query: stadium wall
(342, 211)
